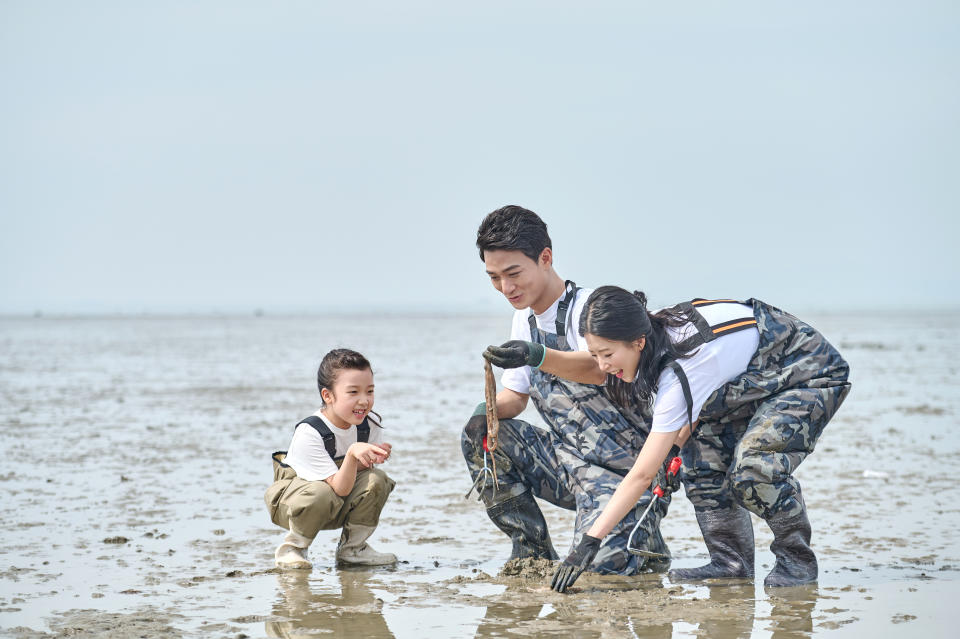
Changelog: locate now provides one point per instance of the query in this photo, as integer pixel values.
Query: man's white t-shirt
(713, 365)
(518, 379)
(309, 457)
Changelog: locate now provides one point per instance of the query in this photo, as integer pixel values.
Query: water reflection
(354, 611)
(791, 616)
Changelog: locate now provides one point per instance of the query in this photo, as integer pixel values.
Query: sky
(195, 157)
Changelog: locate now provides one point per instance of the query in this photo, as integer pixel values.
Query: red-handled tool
(658, 493)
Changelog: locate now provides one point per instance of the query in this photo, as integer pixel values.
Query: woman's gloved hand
(575, 563)
(515, 353)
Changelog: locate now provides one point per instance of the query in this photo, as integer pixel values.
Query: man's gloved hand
(476, 427)
(515, 353)
(575, 563)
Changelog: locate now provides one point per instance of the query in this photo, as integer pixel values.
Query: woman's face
(615, 357)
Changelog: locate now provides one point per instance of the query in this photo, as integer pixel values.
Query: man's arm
(577, 366)
(510, 403)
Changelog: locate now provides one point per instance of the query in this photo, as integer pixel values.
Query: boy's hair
(513, 228)
(335, 361)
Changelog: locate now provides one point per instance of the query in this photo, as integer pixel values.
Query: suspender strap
(685, 385)
(563, 309)
(705, 332)
(363, 431)
(329, 440)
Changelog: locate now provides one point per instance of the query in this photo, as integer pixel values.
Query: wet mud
(136, 453)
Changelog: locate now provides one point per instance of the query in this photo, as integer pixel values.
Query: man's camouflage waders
(752, 434)
(578, 463)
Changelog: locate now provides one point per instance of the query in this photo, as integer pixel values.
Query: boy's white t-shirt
(713, 365)
(518, 379)
(309, 457)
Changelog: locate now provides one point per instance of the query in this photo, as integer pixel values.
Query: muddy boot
(292, 553)
(353, 548)
(728, 534)
(796, 563)
(647, 542)
(520, 518)
(660, 557)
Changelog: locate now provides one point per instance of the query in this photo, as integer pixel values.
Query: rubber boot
(648, 542)
(353, 548)
(728, 534)
(520, 518)
(661, 561)
(796, 563)
(292, 553)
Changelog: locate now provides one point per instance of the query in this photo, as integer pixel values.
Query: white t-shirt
(518, 379)
(309, 457)
(713, 365)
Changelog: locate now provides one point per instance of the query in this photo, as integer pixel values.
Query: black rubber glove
(575, 564)
(673, 481)
(476, 427)
(515, 353)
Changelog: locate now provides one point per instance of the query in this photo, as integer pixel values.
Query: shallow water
(136, 452)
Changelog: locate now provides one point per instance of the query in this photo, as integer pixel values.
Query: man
(589, 445)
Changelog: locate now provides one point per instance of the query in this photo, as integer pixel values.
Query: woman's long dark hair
(616, 314)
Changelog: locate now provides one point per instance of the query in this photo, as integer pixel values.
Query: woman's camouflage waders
(754, 431)
(578, 463)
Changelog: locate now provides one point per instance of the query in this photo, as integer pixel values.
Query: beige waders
(307, 507)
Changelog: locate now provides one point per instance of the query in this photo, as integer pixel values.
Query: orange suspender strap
(733, 326)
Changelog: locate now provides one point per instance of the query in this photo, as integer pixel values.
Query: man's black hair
(513, 228)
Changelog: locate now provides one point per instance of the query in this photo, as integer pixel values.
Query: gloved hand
(515, 353)
(476, 427)
(575, 563)
(672, 481)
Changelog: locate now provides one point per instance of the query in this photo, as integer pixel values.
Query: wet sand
(136, 452)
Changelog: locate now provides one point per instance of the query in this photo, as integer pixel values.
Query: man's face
(521, 280)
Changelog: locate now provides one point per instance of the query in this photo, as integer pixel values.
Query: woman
(749, 386)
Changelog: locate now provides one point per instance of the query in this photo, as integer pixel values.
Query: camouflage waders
(578, 463)
(753, 432)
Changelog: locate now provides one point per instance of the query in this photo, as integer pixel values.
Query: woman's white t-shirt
(713, 365)
(309, 457)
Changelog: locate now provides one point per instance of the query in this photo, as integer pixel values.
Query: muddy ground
(136, 452)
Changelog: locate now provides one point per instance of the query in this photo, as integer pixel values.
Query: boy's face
(521, 280)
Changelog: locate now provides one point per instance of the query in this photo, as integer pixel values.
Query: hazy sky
(310, 156)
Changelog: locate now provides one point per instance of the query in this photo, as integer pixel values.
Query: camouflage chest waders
(578, 463)
(752, 434)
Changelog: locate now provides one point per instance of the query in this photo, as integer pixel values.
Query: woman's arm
(637, 481)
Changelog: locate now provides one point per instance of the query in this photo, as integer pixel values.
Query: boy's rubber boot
(521, 519)
(292, 553)
(796, 562)
(728, 534)
(353, 548)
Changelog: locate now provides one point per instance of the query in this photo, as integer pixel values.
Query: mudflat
(136, 451)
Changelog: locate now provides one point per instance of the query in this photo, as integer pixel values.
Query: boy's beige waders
(307, 507)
